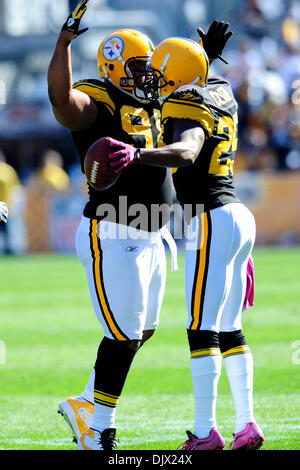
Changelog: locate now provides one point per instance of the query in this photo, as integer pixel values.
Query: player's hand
(3, 212)
(215, 39)
(73, 20)
(122, 155)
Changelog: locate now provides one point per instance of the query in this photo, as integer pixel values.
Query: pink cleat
(213, 442)
(251, 438)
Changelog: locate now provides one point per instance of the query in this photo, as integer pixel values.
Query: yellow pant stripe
(107, 394)
(205, 352)
(104, 403)
(237, 350)
(201, 268)
(105, 399)
(97, 270)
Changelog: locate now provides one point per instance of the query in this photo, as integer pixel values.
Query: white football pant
(215, 274)
(126, 272)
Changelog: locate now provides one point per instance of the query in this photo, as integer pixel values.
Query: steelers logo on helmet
(122, 58)
(113, 48)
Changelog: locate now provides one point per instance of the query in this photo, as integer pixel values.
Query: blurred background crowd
(40, 177)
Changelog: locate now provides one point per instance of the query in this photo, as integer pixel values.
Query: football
(97, 169)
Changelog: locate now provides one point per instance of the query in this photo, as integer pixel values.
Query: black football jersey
(209, 180)
(122, 117)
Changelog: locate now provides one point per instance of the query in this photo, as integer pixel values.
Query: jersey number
(136, 122)
(220, 96)
(220, 163)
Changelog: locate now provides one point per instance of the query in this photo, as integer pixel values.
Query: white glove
(3, 212)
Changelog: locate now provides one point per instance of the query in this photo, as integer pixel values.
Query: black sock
(113, 362)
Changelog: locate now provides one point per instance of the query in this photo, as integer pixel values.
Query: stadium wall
(50, 218)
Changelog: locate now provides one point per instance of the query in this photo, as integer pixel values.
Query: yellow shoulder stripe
(96, 92)
(181, 109)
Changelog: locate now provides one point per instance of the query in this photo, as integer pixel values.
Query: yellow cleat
(78, 414)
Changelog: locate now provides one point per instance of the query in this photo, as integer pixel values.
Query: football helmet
(122, 58)
(175, 62)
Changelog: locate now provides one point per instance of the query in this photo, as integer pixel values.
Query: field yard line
(123, 441)
(28, 440)
(223, 422)
(226, 425)
(131, 440)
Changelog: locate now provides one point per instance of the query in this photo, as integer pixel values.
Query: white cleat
(95, 440)
(78, 414)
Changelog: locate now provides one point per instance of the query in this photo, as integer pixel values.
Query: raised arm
(72, 108)
(214, 41)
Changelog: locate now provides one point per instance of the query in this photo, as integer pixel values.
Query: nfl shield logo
(113, 48)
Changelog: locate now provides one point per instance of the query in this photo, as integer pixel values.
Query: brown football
(97, 170)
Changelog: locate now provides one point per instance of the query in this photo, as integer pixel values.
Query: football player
(199, 120)
(126, 274)
(3, 212)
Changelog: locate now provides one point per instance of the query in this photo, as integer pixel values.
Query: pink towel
(249, 296)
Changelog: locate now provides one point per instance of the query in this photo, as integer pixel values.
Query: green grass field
(51, 337)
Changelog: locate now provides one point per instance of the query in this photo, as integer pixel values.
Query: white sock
(103, 417)
(206, 372)
(239, 369)
(88, 393)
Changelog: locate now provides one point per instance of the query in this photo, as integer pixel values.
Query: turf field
(51, 338)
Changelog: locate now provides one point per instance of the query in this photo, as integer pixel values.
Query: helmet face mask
(122, 58)
(154, 81)
(175, 62)
(135, 69)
